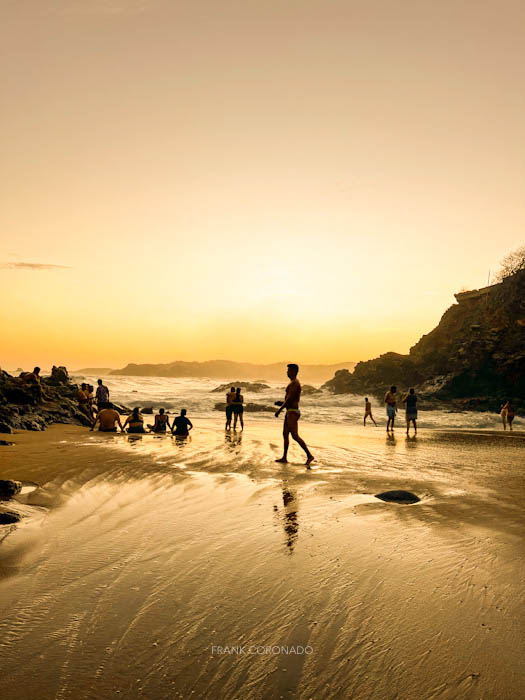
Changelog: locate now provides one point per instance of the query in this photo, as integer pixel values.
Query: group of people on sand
(107, 418)
(410, 401)
(234, 408)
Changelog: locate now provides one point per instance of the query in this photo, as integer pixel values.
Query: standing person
(161, 422)
(108, 419)
(391, 408)
(411, 409)
(291, 405)
(135, 422)
(368, 412)
(238, 408)
(508, 413)
(181, 425)
(229, 408)
(102, 394)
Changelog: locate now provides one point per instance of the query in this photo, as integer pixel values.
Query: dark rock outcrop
(254, 387)
(9, 488)
(22, 407)
(474, 359)
(398, 497)
(7, 517)
(5, 443)
(4, 428)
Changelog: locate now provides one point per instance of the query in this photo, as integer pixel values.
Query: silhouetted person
(181, 424)
(368, 412)
(391, 407)
(135, 422)
(508, 412)
(410, 401)
(102, 394)
(238, 408)
(33, 379)
(229, 407)
(108, 419)
(161, 422)
(291, 406)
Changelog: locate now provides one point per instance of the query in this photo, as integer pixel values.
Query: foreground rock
(473, 360)
(254, 387)
(248, 407)
(21, 407)
(9, 488)
(398, 497)
(5, 443)
(7, 517)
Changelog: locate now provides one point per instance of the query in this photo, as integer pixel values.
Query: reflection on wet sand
(288, 515)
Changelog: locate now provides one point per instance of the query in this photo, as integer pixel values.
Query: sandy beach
(151, 568)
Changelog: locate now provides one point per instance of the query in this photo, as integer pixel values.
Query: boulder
(148, 410)
(8, 517)
(254, 387)
(59, 375)
(4, 428)
(398, 497)
(5, 442)
(9, 488)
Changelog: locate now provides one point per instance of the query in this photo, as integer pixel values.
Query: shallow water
(140, 556)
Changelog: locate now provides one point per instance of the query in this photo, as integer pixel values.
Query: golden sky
(252, 180)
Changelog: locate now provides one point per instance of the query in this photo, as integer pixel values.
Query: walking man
(291, 406)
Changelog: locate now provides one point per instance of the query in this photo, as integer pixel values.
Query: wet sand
(138, 558)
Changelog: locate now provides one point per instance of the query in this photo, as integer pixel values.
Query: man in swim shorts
(390, 400)
(108, 420)
(291, 406)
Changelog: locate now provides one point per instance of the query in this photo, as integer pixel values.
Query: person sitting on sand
(291, 405)
(508, 413)
(135, 422)
(410, 400)
(161, 422)
(102, 395)
(181, 425)
(390, 400)
(368, 412)
(238, 408)
(108, 419)
(83, 400)
(229, 407)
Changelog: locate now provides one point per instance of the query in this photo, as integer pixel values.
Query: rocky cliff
(474, 358)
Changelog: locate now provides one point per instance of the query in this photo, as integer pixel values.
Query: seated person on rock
(161, 422)
(135, 422)
(83, 400)
(181, 425)
(108, 419)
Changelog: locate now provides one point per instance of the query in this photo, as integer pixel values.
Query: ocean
(196, 395)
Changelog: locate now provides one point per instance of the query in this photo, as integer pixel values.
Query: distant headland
(222, 369)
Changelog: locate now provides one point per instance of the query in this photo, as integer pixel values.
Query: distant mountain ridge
(225, 369)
